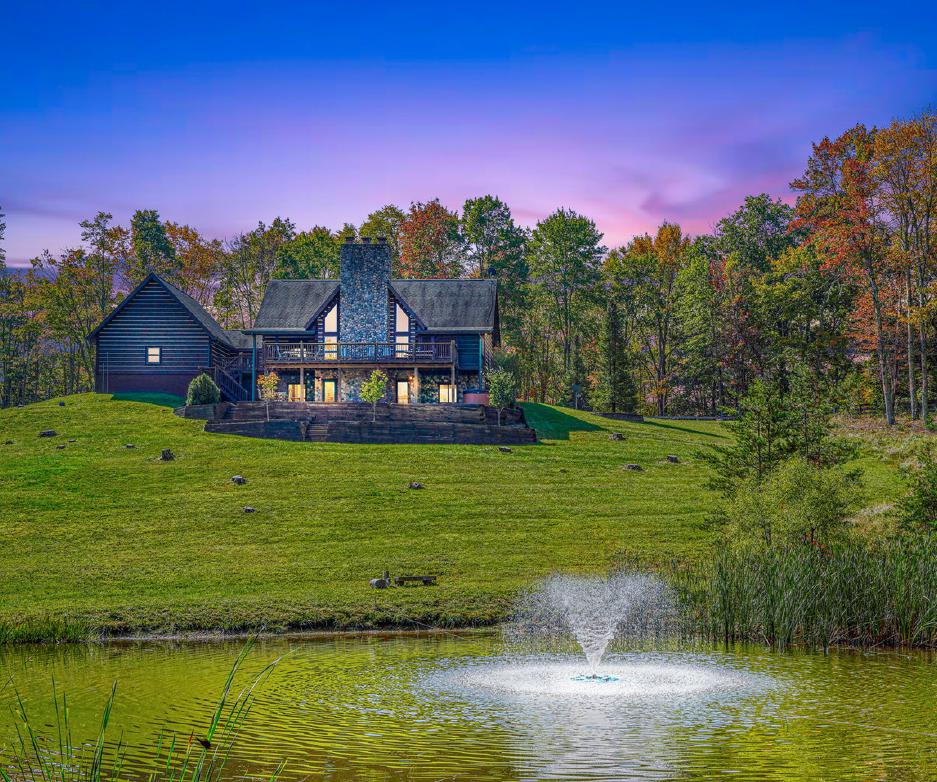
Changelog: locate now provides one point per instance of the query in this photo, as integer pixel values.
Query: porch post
(253, 367)
(302, 382)
(453, 393)
(338, 391)
(416, 385)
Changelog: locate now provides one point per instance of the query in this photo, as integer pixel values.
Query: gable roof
(232, 339)
(451, 305)
(289, 305)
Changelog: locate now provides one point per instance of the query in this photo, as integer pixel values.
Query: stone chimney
(365, 273)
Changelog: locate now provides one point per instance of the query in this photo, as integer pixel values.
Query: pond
(457, 707)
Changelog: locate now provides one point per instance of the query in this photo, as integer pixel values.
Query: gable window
(401, 320)
(331, 321)
(447, 393)
(401, 331)
(154, 355)
(330, 333)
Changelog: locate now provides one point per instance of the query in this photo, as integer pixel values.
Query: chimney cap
(366, 239)
(382, 239)
(349, 239)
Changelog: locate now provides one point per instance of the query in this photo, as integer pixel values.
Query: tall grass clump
(862, 593)
(194, 758)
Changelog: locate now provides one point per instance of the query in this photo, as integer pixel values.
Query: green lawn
(99, 537)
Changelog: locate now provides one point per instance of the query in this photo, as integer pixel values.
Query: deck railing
(360, 352)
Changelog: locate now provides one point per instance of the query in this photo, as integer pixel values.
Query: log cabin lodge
(323, 338)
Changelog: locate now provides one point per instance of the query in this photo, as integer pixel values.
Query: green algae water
(457, 707)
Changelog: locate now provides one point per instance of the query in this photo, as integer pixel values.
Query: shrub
(203, 391)
(919, 506)
(797, 502)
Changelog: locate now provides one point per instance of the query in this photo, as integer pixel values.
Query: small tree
(373, 390)
(203, 391)
(501, 390)
(267, 386)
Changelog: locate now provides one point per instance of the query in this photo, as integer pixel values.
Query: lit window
(153, 355)
(401, 320)
(447, 393)
(403, 346)
(295, 393)
(331, 348)
(331, 320)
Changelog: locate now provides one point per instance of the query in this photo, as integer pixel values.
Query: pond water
(457, 707)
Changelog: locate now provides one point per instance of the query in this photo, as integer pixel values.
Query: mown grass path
(98, 537)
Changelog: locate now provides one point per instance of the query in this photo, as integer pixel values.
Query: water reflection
(455, 708)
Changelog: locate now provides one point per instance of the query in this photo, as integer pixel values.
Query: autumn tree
(430, 242)
(200, 261)
(841, 204)
(649, 266)
(905, 166)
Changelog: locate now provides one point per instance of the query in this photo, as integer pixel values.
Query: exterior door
(403, 392)
(329, 391)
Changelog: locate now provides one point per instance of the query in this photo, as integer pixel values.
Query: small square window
(153, 355)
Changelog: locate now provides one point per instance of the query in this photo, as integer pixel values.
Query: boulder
(379, 583)
(61, 404)
(130, 445)
(60, 448)
(8, 442)
(504, 449)
(240, 480)
(72, 439)
(616, 436)
(166, 455)
(416, 485)
(672, 459)
(48, 433)
(635, 467)
(249, 509)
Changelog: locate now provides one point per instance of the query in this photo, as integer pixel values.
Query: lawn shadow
(163, 400)
(688, 429)
(552, 423)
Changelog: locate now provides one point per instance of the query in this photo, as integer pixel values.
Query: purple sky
(629, 120)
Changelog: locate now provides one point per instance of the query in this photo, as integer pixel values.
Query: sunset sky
(221, 115)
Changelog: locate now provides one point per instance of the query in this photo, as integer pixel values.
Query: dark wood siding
(154, 318)
(466, 344)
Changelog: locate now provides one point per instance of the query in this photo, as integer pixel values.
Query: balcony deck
(314, 355)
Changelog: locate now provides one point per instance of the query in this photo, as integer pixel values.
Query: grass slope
(100, 538)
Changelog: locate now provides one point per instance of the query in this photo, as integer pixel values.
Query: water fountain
(593, 611)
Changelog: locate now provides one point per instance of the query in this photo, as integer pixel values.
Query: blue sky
(220, 115)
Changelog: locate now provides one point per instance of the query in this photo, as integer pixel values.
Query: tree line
(833, 295)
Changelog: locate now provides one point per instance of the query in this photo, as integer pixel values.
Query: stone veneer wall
(430, 382)
(365, 273)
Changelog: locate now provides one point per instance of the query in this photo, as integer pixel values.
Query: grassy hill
(101, 538)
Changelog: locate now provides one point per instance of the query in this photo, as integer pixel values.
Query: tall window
(330, 333)
(401, 331)
(154, 355)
